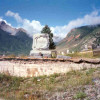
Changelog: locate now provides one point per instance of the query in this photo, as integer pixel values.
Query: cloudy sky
(60, 15)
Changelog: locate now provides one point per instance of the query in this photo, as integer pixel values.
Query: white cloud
(15, 15)
(61, 31)
(89, 19)
(31, 26)
(0, 19)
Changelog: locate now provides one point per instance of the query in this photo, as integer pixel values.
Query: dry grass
(35, 88)
(11, 56)
(83, 55)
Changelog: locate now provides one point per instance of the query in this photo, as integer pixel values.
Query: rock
(63, 57)
(26, 95)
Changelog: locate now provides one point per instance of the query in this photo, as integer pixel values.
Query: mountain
(56, 39)
(77, 38)
(8, 28)
(14, 41)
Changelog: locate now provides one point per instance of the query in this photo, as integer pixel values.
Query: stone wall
(32, 68)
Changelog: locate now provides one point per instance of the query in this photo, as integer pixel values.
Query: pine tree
(46, 30)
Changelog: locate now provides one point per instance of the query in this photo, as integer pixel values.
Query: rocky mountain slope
(14, 41)
(77, 38)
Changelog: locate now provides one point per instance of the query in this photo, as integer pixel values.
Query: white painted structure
(40, 44)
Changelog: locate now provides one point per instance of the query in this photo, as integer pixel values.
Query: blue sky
(56, 13)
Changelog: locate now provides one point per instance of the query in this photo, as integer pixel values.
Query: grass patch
(19, 88)
(83, 55)
(11, 82)
(80, 95)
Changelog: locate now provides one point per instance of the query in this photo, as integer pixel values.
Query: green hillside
(77, 38)
(17, 44)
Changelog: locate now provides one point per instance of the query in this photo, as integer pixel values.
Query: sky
(60, 15)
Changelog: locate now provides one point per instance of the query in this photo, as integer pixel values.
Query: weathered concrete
(37, 68)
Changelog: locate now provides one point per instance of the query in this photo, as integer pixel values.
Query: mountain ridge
(77, 38)
(14, 41)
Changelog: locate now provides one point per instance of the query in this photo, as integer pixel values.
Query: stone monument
(40, 47)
